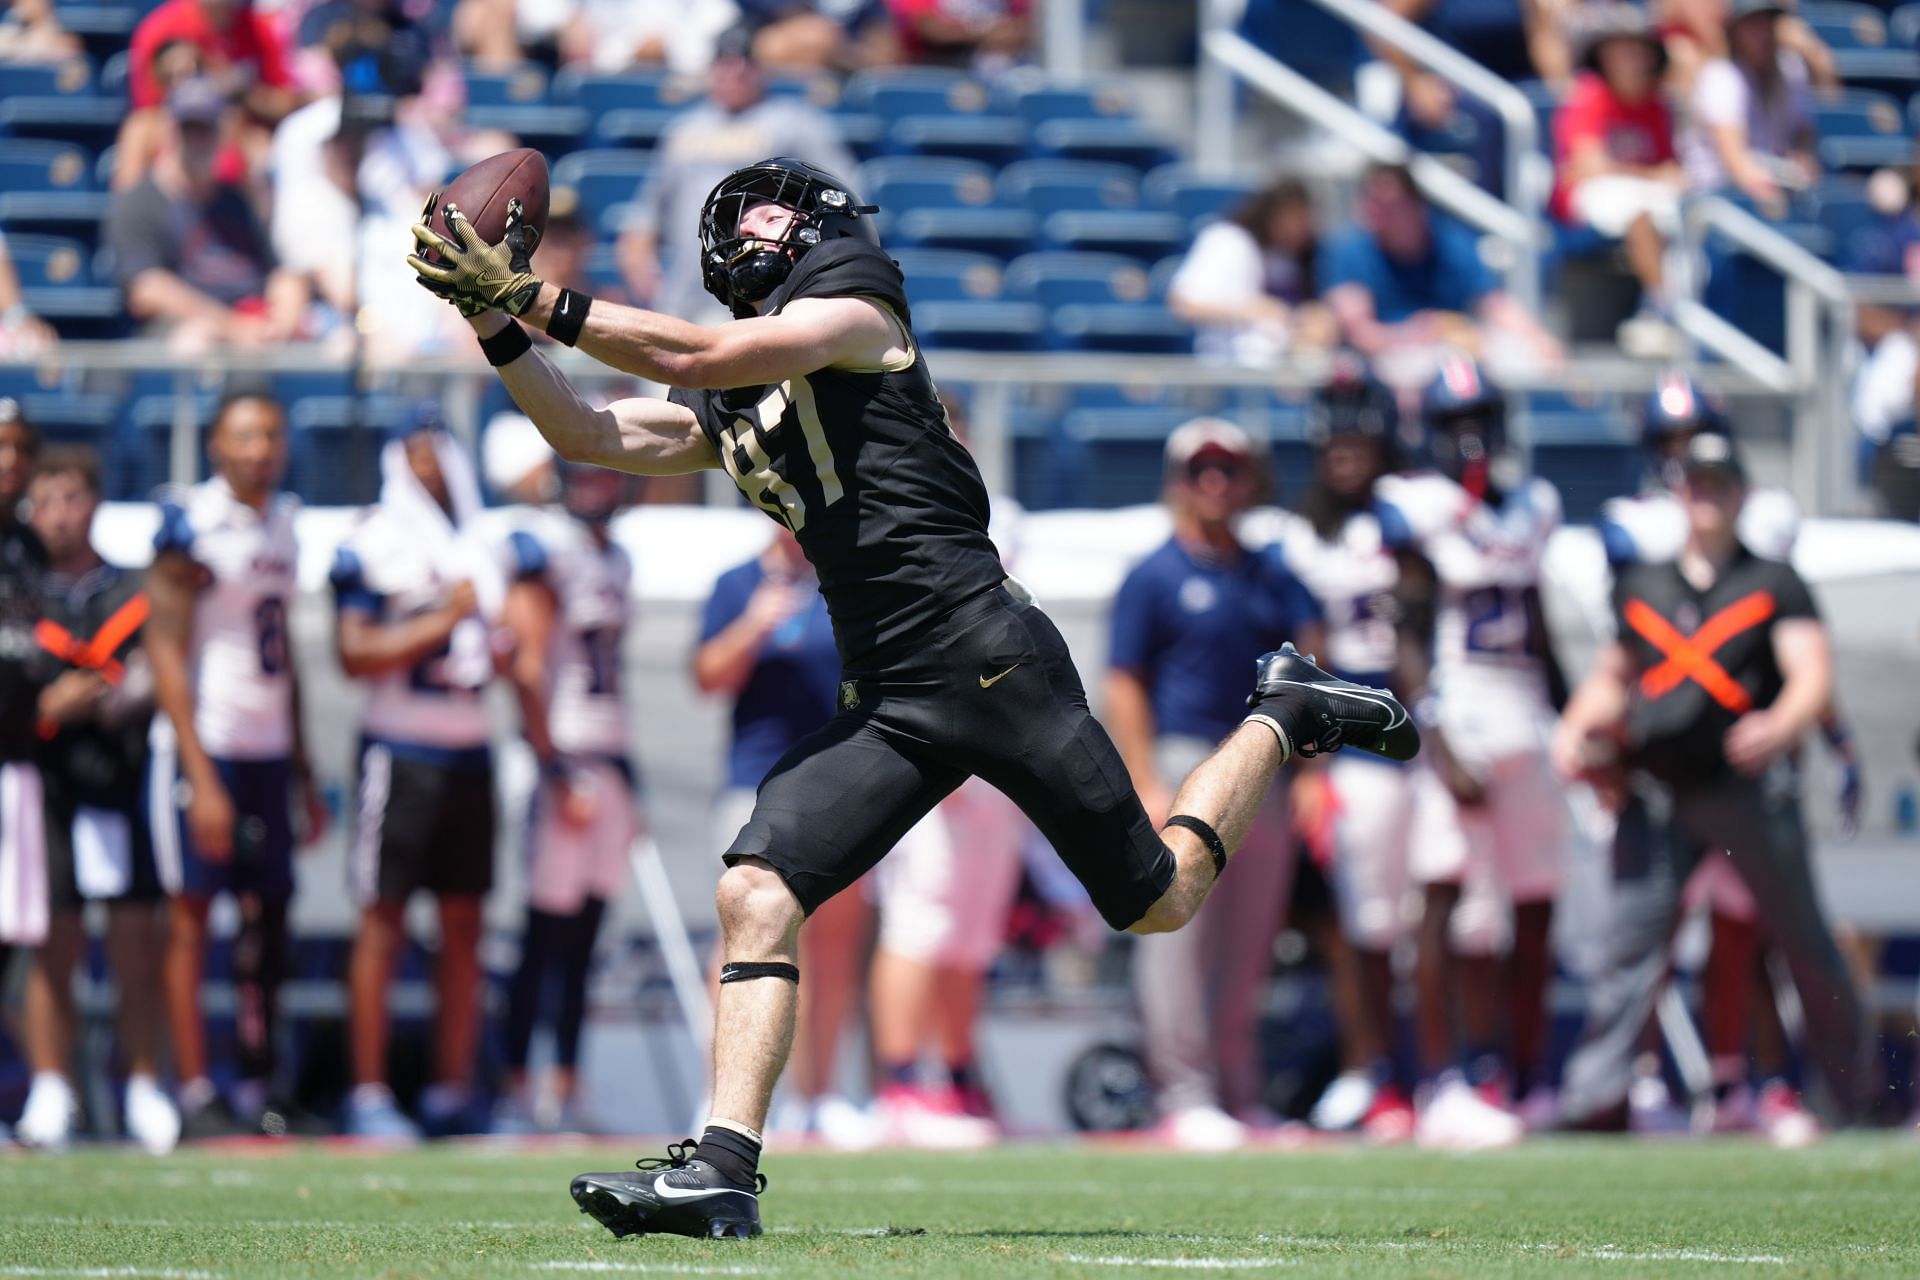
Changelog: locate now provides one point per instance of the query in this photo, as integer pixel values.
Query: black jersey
(23, 668)
(864, 468)
(95, 623)
(1705, 658)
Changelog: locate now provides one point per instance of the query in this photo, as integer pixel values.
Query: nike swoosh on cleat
(988, 684)
(668, 1192)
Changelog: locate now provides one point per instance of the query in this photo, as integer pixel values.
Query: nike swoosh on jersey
(988, 684)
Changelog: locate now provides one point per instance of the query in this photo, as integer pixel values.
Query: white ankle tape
(1286, 744)
(717, 1123)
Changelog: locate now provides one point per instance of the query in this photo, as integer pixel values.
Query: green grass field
(1594, 1207)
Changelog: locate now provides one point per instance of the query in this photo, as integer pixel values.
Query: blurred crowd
(155, 764)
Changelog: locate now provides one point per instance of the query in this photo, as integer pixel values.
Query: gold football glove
(472, 274)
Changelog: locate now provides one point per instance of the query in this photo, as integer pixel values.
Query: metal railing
(995, 382)
(1820, 328)
(1517, 220)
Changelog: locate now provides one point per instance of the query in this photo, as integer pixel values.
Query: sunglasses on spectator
(1231, 468)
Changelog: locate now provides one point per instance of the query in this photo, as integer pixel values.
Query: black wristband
(1208, 837)
(506, 346)
(569, 315)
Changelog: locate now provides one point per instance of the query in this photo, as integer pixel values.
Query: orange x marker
(1691, 657)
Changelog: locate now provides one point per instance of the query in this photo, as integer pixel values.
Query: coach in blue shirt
(1188, 622)
(1402, 278)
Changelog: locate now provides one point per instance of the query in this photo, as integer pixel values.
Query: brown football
(483, 191)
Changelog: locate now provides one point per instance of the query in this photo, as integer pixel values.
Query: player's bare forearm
(369, 648)
(1599, 705)
(170, 595)
(1803, 653)
(806, 336)
(724, 663)
(639, 436)
(529, 615)
(1129, 719)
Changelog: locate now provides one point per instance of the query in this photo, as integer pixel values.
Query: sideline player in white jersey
(567, 611)
(1334, 546)
(227, 752)
(417, 591)
(1650, 527)
(1498, 844)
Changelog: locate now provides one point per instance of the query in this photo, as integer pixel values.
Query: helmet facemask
(741, 270)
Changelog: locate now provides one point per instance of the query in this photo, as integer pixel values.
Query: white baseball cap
(1208, 435)
(511, 449)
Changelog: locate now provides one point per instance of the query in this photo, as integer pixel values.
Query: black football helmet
(741, 270)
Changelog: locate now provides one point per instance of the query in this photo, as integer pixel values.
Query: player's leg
(456, 867)
(540, 943)
(136, 943)
(827, 812)
(377, 944)
(1761, 828)
(457, 985)
(1532, 829)
(262, 871)
(570, 1015)
(52, 1107)
(1651, 858)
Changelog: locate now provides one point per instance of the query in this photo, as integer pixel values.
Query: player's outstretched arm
(641, 436)
(807, 336)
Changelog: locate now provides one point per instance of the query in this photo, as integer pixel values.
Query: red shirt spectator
(1639, 133)
(231, 35)
(962, 33)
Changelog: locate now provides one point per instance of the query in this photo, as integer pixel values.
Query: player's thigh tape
(742, 970)
(1208, 836)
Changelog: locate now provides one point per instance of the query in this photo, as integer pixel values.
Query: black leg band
(742, 970)
(506, 346)
(569, 316)
(1208, 836)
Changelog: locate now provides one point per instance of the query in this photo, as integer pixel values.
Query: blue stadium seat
(894, 92)
(600, 180)
(64, 213)
(949, 275)
(1903, 26)
(1890, 70)
(1120, 326)
(551, 129)
(87, 418)
(1845, 27)
(1125, 142)
(114, 73)
(899, 183)
(46, 79)
(1306, 37)
(1197, 197)
(523, 86)
(1037, 103)
(864, 134)
(1138, 233)
(633, 127)
(57, 279)
(147, 434)
(980, 326)
(323, 430)
(1860, 130)
(1115, 455)
(1049, 186)
(103, 28)
(635, 90)
(994, 139)
(1059, 279)
(33, 164)
(1004, 233)
(91, 122)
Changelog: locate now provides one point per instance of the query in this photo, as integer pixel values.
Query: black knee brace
(1208, 837)
(742, 970)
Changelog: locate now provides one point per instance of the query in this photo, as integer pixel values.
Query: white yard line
(1179, 1264)
(647, 1268)
(110, 1273)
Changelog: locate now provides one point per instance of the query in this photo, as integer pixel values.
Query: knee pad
(745, 970)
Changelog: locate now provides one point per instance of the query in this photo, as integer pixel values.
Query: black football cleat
(1344, 713)
(679, 1195)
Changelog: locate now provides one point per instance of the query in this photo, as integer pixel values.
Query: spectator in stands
(30, 31)
(1248, 283)
(93, 727)
(363, 46)
(146, 133)
(767, 643)
(737, 125)
(1187, 618)
(243, 50)
(1751, 114)
(23, 569)
(1695, 33)
(22, 334)
(1404, 285)
(190, 251)
(604, 35)
(1617, 171)
(821, 35)
(983, 36)
(1884, 389)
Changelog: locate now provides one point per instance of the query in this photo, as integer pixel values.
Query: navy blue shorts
(262, 862)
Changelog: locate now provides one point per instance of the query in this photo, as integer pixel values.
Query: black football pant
(1661, 837)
